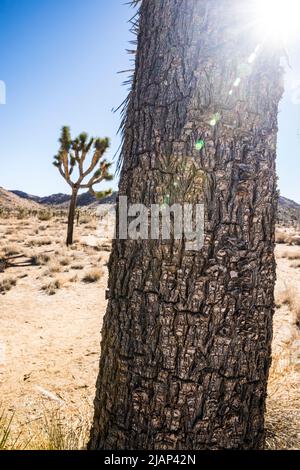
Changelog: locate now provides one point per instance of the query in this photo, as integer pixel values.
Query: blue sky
(59, 60)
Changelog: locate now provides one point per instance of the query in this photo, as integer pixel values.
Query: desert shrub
(44, 216)
(91, 226)
(40, 259)
(52, 432)
(58, 435)
(294, 256)
(53, 268)
(6, 284)
(295, 240)
(77, 266)
(91, 249)
(22, 213)
(291, 298)
(291, 255)
(92, 276)
(282, 237)
(11, 250)
(55, 432)
(287, 296)
(282, 426)
(75, 245)
(5, 212)
(64, 261)
(40, 242)
(51, 287)
(84, 220)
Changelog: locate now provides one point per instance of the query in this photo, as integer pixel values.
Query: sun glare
(279, 19)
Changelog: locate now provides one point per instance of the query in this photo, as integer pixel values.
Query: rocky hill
(9, 200)
(52, 200)
(62, 200)
(288, 212)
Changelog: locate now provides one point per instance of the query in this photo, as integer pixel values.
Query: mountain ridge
(288, 210)
(10, 200)
(62, 200)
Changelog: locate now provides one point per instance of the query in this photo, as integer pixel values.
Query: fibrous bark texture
(186, 341)
(71, 216)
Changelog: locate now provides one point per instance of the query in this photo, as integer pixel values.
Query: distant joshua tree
(73, 153)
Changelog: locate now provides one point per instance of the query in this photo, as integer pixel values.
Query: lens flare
(199, 144)
(278, 19)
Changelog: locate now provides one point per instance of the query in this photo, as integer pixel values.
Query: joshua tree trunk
(186, 341)
(71, 217)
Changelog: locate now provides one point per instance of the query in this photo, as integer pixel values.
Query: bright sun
(279, 19)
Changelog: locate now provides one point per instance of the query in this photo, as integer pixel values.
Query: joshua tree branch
(92, 183)
(96, 157)
(81, 161)
(67, 179)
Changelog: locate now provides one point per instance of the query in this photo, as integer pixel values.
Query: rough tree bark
(186, 341)
(71, 216)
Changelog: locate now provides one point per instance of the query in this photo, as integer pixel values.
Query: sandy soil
(50, 344)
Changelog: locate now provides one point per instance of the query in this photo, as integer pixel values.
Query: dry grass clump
(77, 266)
(291, 255)
(84, 220)
(51, 287)
(94, 275)
(282, 237)
(5, 431)
(57, 434)
(282, 426)
(44, 227)
(295, 240)
(64, 261)
(76, 245)
(92, 226)
(283, 410)
(6, 284)
(51, 432)
(73, 278)
(92, 249)
(10, 250)
(291, 298)
(294, 256)
(287, 237)
(44, 216)
(40, 242)
(53, 268)
(40, 259)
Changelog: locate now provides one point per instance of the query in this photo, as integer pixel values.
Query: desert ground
(52, 301)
